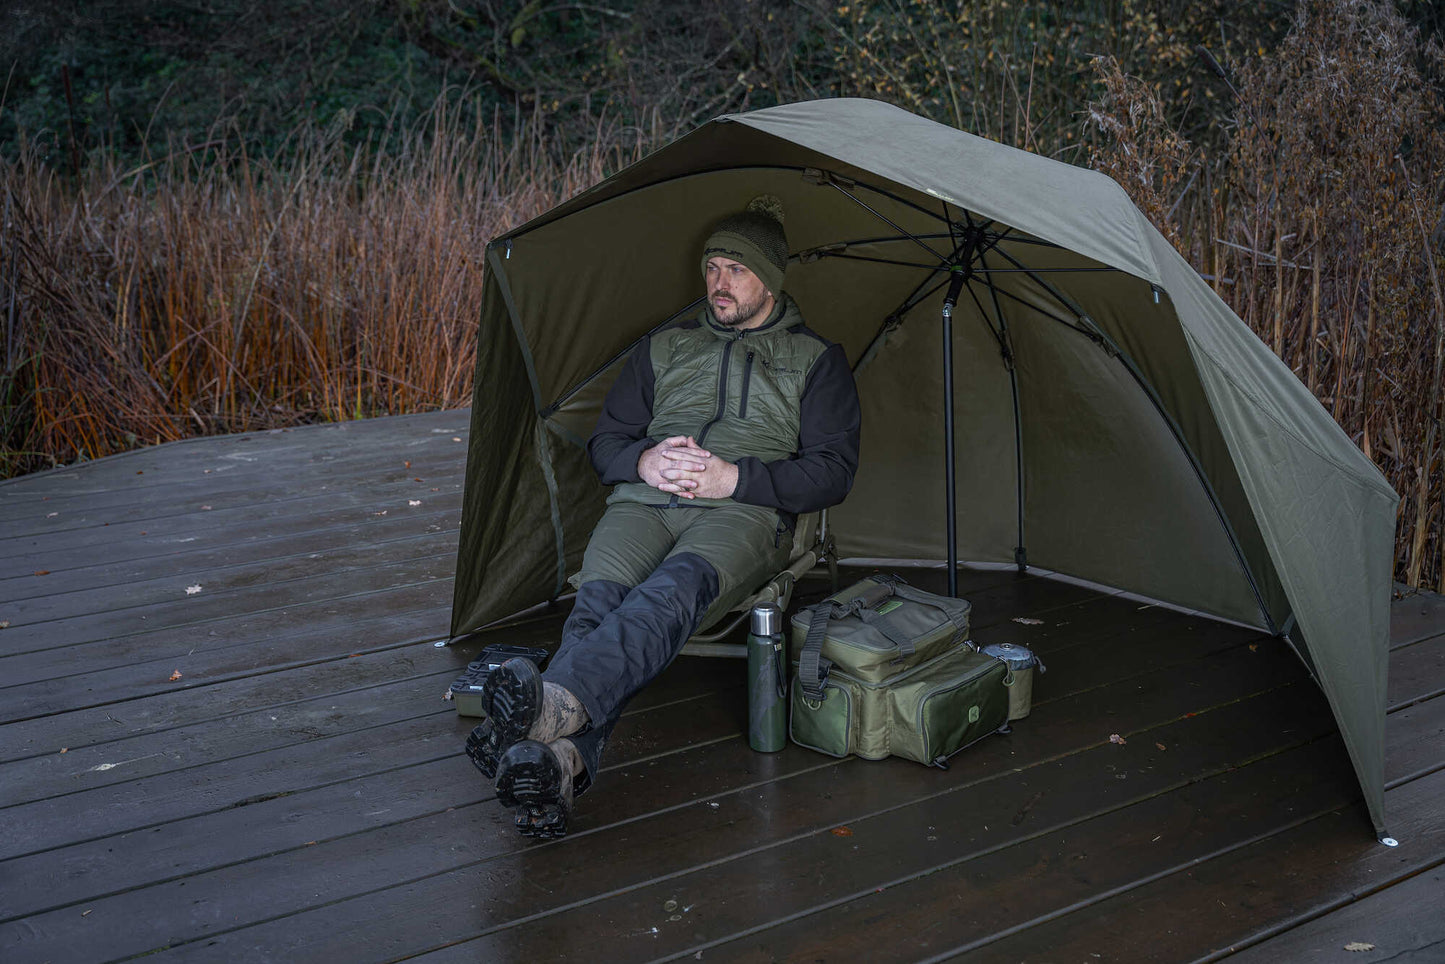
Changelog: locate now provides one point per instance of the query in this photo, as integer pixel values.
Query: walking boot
(511, 700)
(536, 779)
(562, 714)
(519, 705)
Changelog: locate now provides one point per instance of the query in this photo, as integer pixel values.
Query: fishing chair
(812, 544)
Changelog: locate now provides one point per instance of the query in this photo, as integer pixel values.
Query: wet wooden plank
(178, 705)
(168, 531)
(221, 649)
(275, 884)
(543, 879)
(159, 465)
(137, 542)
(291, 481)
(1417, 672)
(155, 599)
(195, 557)
(1416, 615)
(966, 907)
(1257, 889)
(1402, 923)
(658, 723)
(26, 645)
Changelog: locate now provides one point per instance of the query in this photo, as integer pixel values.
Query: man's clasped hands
(681, 466)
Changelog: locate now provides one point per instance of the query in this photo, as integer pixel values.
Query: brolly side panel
(896, 508)
(506, 557)
(1109, 494)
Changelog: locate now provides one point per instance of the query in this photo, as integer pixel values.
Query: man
(716, 434)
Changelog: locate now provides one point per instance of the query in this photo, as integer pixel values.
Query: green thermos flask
(767, 680)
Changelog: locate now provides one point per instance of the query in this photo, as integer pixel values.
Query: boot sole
(512, 698)
(485, 748)
(530, 781)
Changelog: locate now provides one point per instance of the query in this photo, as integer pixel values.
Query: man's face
(739, 299)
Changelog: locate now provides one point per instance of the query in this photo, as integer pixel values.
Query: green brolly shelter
(1115, 420)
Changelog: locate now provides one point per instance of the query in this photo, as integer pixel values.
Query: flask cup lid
(767, 619)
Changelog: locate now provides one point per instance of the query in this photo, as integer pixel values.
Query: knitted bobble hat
(753, 238)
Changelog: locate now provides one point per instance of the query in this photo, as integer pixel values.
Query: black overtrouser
(649, 577)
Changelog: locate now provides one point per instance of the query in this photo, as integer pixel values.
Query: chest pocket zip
(747, 377)
(722, 391)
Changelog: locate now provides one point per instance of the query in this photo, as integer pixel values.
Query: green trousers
(742, 542)
(651, 577)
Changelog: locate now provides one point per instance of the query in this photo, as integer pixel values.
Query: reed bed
(209, 291)
(1320, 224)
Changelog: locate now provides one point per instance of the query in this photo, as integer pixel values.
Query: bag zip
(911, 671)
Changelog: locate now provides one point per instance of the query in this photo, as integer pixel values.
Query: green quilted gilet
(737, 392)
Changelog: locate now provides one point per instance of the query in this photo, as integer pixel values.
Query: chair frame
(778, 589)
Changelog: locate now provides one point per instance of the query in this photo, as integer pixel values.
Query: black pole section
(955, 287)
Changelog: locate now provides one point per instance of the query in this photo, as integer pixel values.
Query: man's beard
(739, 312)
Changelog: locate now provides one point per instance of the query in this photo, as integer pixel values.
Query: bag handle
(813, 669)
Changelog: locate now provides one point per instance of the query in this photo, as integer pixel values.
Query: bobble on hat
(754, 238)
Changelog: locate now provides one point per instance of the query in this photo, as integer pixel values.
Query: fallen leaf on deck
(413, 501)
(85, 912)
(407, 463)
(42, 572)
(418, 480)
(205, 508)
(456, 438)
(65, 749)
(842, 831)
(1254, 647)
(1116, 738)
(175, 676)
(51, 515)
(1359, 946)
(382, 512)
(1161, 746)
(192, 590)
(1028, 621)
(4, 624)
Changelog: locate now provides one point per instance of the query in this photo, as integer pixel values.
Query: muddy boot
(519, 705)
(561, 715)
(512, 701)
(536, 779)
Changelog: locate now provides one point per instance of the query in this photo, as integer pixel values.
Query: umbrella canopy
(1116, 421)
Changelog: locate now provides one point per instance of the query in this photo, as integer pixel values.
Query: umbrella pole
(955, 286)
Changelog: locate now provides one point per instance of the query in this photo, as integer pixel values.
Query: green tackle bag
(884, 669)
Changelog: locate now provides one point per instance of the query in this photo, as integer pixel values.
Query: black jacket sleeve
(621, 434)
(821, 472)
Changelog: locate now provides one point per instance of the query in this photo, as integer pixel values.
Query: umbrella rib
(863, 257)
(882, 217)
(1020, 547)
(984, 316)
(1048, 314)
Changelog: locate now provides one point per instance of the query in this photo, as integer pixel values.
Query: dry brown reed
(210, 291)
(1315, 226)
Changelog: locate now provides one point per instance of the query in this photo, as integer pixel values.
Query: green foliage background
(142, 74)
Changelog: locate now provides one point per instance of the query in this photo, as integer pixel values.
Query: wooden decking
(298, 791)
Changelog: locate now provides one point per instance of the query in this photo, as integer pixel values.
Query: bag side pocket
(829, 725)
(947, 705)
